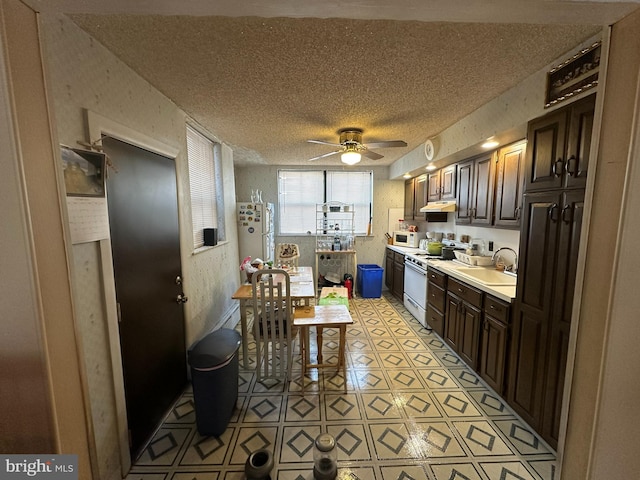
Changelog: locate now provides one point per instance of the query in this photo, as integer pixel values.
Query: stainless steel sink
(488, 276)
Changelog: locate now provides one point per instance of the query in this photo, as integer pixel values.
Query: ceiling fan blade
(325, 155)
(324, 143)
(371, 155)
(390, 143)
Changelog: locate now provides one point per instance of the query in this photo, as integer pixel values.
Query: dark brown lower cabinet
(394, 272)
(546, 281)
(388, 269)
(495, 337)
(436, 300)
(462, 321)
(398, 276)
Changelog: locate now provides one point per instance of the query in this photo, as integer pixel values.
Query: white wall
(85, 76)
(616, 444)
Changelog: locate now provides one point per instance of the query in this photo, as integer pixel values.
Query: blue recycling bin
(369, 281)
(214, 377)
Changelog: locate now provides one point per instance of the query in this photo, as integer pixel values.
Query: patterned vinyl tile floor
(413, 411)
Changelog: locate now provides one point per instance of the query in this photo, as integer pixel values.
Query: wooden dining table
(303, 289)
(321, 317)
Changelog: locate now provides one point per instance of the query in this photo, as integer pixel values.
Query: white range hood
(445, 206)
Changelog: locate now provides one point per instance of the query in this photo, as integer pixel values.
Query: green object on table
(333, 299)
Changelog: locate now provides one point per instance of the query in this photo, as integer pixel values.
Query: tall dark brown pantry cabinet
(556, 165)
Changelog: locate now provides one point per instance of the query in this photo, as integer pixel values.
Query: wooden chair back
(272, 322)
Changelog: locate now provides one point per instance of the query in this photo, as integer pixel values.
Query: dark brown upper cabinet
(442, 184)
(419, 195)
(558, 147)
(409, 198)
(476, 190)
(509, 185)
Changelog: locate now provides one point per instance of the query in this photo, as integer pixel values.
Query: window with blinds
(203, 157)
(299, 191)
(355, 188)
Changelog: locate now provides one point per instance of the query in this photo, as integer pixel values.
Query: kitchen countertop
(449, 267)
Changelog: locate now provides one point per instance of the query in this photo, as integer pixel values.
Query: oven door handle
(410, 300)
(415, 268)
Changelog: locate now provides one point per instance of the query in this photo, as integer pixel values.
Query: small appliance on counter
(405, 238)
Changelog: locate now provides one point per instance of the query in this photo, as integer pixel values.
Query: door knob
(181, 298)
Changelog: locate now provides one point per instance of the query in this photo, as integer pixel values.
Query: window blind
(300, 191)
(202, 183)
(355, 188)
(298, 194)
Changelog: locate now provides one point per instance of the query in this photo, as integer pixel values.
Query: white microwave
(405, 238)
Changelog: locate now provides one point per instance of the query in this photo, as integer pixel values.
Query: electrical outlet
(491, 246)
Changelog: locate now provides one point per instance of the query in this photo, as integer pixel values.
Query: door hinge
(119, 312)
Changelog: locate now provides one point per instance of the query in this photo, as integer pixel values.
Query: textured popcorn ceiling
(266, 85)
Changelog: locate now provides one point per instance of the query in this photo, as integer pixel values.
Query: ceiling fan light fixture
(350, 157)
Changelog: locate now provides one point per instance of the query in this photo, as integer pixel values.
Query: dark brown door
(469, 334)
(494, 353)
(388, 269)
(420, 187)
(546, 151)
(482, 203)
(451, 321)
(143, 217)
(509, 185)
(538, 248)
(398, 278)
(448, 183)
(570, 223)
(434, 190)
(579, 142)
(409, 199)
(464, 197)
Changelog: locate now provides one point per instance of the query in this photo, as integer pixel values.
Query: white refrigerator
(255, 230)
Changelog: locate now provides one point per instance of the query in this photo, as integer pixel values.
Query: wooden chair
(287, 254)
(273, 327)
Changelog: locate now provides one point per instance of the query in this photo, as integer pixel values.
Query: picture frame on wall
(84, 172)
(573, 76)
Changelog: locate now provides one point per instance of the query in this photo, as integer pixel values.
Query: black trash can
(214, 376)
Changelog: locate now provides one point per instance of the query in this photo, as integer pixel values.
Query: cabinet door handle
(552, 212)
(557, 167)
(563, 215)
(572, 166)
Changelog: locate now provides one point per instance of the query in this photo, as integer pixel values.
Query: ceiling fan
(352, 148)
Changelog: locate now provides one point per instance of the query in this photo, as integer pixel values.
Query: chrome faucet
(513, 268)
